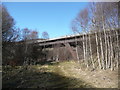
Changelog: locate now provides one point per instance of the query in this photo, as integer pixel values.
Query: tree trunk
(117, 37)
(77, 53)
(106, 48)
(102, 55)
(91, 57)
(84, 49)
(98, 55)
(109, 50)
(111, 47)
(106, 53)
(25, 56)
(76, 49)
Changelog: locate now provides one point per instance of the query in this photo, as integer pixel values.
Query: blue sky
(53, 17)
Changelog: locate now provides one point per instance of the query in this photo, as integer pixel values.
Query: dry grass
(97, 78)
(58, 75)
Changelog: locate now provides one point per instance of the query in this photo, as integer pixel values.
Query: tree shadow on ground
(40, 79)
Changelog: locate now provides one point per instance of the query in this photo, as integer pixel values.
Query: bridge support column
(56, 52)
(77, 53)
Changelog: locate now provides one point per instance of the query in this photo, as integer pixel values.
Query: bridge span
(73, 40)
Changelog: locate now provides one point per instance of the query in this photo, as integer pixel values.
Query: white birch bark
(109, 51)
(111, 47)
(98, 55)
(91, 51)
(117, 57)
(84, 54)
(86, 50)
(102, 55)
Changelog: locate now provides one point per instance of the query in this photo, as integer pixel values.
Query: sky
(52, 17)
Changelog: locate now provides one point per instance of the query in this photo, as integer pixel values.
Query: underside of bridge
(63, 51)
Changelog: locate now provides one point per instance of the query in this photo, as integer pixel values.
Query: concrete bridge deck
(71, 39)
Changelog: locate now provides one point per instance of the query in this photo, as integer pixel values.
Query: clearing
(58, 75)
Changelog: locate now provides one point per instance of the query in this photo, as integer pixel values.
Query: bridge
(71, 39)
(71, 42)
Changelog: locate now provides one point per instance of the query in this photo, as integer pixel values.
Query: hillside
(58, 75)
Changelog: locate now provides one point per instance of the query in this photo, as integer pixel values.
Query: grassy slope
(97, 78)
(55, 75)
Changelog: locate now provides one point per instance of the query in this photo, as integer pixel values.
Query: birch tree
(110, 19)
(75, 30)
(106, 17)
(98, 25)
(103, 21)
(82, 18)
(94, 28)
